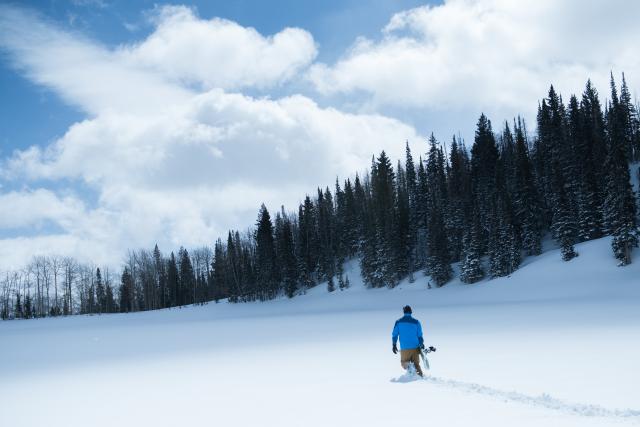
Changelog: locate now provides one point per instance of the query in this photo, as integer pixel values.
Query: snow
(555, 344)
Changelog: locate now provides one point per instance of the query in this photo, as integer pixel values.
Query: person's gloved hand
(395, 349)
(421, 346)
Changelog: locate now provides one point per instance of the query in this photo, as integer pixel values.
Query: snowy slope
(555, 344)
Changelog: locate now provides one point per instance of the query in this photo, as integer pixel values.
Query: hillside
(554, 344)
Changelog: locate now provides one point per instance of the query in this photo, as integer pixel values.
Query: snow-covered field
(555, 344)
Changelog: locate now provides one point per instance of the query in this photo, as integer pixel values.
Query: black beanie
(406, 309)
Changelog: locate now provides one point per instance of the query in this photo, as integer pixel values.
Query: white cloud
(491, 55)
(170, 164)
(82, 72)
(33, 208)
(219, 53)
(186, 176)
(150, 75)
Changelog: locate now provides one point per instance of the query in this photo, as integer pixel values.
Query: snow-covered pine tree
(484, 161)
(471, 268)
(592, 158)
(526, 202)
(340, 269)
(564, 226)
(630, 119)
(421, 213)
(341, 237)
(100, 293)
(290, 271)
(351, 230)
(380, 259)
(331, 286)
(265, 256)
(401, 243)
(307, 243)
(458, 193)
(619, 203)
(412, 195)
(503, 249)
(438, 257)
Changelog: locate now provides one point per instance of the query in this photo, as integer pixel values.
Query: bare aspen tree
(70, 269)
(56, 267)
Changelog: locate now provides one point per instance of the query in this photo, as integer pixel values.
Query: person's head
(406, 309)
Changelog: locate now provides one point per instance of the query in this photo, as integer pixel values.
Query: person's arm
(394, 334)
(420, 338)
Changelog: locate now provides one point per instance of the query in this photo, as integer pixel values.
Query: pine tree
(484, 161)
(379, 256)
(110, 302)
(265, 256)
(307, 243)
(401, 239)
(351, 224)
(126, 291)
(587, 133)
(619, 204)
(187, 278)
(527, 206)
(219, 279)
(28, 307)
(503, 249)
(629, 117)
(326, 233)
(161, 278)
(341, 238)
(288, 258)
(18, 307)
(412, 197)
(341, 282)
(331, 286)
(173, 281)
(100, 294)
(233, 267)
(564, 226)
(595, 144)
(438, 259)
(458, 192)
(421, 212)
(471, 267)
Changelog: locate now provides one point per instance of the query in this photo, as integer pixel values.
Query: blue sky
(124, 124)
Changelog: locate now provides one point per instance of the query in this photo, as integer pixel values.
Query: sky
(124, 124)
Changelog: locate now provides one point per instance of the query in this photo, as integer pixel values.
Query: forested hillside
(486, 207)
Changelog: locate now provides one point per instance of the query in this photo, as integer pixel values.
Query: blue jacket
(410, 332)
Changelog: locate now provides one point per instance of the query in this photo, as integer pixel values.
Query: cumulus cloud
(487, 55)
(182, 51)
(170, 162)
(34, 208)
(219, 53)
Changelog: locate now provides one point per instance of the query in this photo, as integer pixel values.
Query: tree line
(484, 208)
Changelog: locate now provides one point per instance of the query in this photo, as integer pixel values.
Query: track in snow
(542, 401)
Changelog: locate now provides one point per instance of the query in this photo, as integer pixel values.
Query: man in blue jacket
(411, 341)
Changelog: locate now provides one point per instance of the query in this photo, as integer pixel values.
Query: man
(411, 341)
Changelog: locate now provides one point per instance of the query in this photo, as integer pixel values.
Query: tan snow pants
(411, 356)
